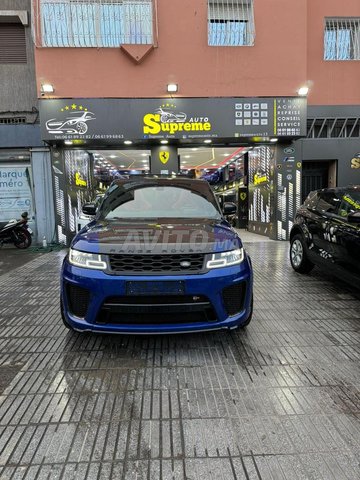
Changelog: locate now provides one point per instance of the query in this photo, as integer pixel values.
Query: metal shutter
(12, 43)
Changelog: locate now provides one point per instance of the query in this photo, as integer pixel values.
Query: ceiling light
(273, 140)
(187, 156)
(128, 142)
(47, 88)
(172, 87)
(68, 142)
(144, 161)
(207, 141)
(164, 142)
(144, 154)
(303, 91)
(194, 149)
(112, 156)
(214, 164)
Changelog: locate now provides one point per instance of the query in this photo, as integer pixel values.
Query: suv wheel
(298, 257)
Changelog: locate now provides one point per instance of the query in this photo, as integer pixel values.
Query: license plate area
(155, 288)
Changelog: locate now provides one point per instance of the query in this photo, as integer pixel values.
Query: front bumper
(103, 288)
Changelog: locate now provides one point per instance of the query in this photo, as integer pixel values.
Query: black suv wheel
(298, 258)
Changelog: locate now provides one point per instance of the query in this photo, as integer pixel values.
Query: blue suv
(159, 257)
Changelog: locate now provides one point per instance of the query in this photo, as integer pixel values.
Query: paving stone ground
(278, 401)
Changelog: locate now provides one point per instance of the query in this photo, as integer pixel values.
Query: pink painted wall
(287, 53)
(332, 82)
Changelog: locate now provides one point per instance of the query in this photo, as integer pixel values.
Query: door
(315, 176)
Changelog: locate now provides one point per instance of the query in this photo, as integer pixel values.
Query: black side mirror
(229, 208)
(354, 217)
(89, 208)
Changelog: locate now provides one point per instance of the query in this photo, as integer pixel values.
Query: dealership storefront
(24, 179)
(72, 127)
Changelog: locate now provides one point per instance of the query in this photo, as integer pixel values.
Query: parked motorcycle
(16, 232)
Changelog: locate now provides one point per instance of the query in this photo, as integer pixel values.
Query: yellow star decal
(73, 106)
(66, 108)
(81, 107)
(85, 109)
(62, 110)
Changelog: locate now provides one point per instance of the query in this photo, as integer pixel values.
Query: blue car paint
(209, 284)
(109, 237)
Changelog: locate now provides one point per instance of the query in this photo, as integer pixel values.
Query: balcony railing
(93, 23)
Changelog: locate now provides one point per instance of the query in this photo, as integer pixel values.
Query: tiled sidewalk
(278, 401)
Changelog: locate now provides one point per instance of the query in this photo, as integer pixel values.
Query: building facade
(25, 175)
(237, 67)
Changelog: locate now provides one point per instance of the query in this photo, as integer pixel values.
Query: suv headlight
(226, 259)
(87, 260)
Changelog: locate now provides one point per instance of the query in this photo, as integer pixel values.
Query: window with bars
(333, 127)
(96, 23)
(231, 23)
(342, 39)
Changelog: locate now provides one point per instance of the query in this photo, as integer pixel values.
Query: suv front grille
(144, 309)
(145, 264)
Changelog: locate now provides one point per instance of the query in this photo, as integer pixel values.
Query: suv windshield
(156, 201)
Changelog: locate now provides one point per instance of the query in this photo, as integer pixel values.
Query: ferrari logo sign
(164, 157)
(242, 196)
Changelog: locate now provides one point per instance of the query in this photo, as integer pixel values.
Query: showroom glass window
(231, 23)
(342, 39)
(94, 23)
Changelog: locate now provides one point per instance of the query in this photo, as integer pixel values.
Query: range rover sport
(159, 257)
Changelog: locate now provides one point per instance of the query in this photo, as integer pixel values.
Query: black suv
(326, 232)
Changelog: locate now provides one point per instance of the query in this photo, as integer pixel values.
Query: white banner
(15, 192)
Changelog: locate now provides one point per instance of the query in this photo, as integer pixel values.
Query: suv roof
(339, 189)
(198, 185)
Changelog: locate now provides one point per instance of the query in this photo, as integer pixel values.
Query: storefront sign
(115, 120)
(355, 162)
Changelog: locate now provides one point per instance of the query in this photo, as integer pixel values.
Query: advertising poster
(15, 192)
(261, 163)
(73, 186)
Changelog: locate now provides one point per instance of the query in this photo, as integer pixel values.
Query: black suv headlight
(87, 260)
(225, 259)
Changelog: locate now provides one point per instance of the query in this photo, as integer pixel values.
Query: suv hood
(166, 237)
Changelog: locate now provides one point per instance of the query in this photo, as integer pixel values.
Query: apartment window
(12, 43)
(96, 23)
(231, 23)
(342, 39)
